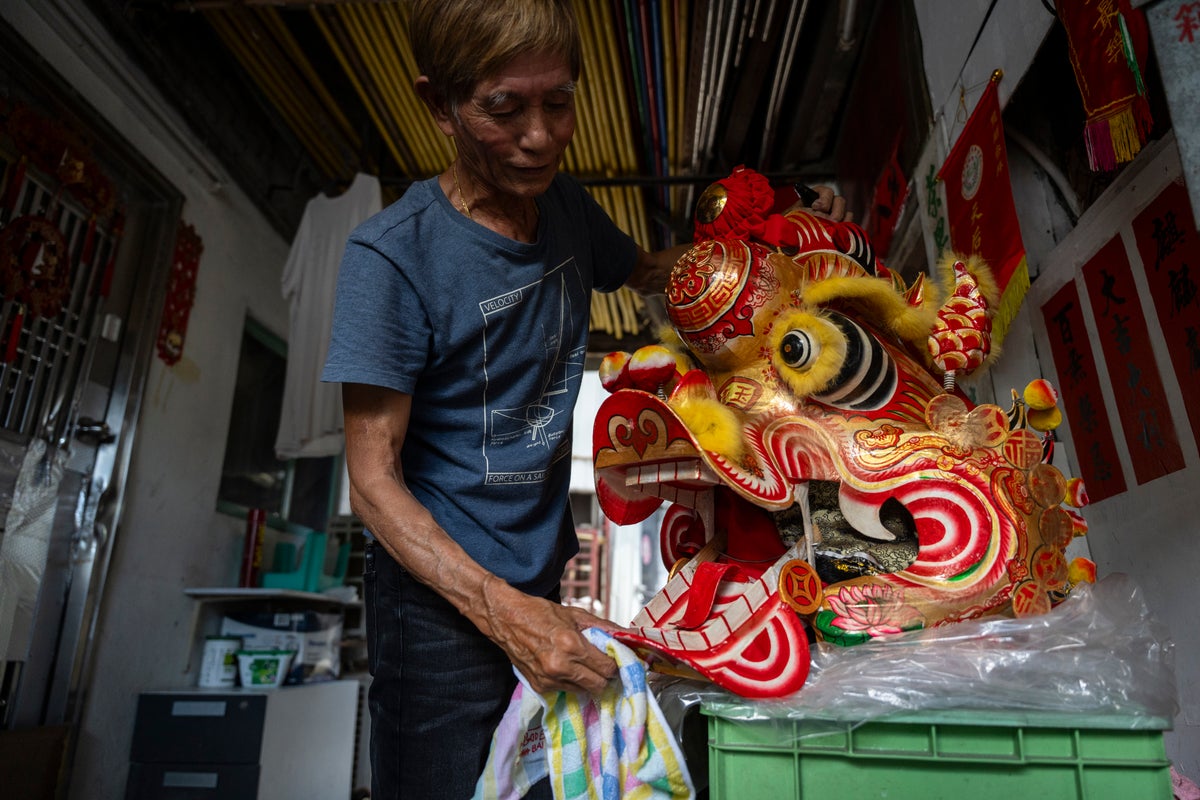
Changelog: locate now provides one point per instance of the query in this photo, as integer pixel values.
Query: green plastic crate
(944, 755)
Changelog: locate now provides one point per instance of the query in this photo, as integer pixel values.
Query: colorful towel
(605, 747)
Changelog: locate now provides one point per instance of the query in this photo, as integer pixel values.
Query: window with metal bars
(45, 331)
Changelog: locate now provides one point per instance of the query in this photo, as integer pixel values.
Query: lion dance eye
(867, 377)
(798, 350)
(831, 359)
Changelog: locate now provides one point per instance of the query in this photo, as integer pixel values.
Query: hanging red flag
(1107, 41)
(980, 209)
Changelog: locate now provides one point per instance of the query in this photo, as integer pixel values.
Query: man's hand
(829, 204)
(826, 204)
(652, 270)
(544, 640)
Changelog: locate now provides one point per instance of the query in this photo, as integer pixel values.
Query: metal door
(70, 388)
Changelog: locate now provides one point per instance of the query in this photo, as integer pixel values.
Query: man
(459, 337)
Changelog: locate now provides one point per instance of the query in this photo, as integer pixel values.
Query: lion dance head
(825, 479)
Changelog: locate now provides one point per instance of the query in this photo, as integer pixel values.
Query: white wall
(1150, 532)
(957, 66)
(591, 395)
(170, 536)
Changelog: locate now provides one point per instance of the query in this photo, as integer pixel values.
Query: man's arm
(651, 270)
(543, 639)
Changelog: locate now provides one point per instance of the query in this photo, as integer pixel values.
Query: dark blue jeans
(438, 691)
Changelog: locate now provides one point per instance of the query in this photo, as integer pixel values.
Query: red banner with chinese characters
(1132, 373)
(980, 209)
(1186, 17)
(1170, 248)
(181, 293)
(1081, 397)
(1107, 41)
(891, 192)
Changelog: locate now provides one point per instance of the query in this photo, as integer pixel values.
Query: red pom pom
(734, 207)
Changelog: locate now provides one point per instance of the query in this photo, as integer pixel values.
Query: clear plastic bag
(1099, 652)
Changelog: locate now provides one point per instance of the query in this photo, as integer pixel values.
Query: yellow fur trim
(884, 308)
(976, 268)
(829, 352)
(668, 337)
(1002, 307)
(714, 424)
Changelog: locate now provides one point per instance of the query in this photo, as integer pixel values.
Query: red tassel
(14, 335)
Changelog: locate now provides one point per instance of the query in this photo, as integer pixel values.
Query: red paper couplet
(1136, 385)
(1170, 249)
(181, 293)
(1082, 400)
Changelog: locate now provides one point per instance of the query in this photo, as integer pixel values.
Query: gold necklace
(462, 200)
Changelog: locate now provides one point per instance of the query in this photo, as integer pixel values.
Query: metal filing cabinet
(291, 743)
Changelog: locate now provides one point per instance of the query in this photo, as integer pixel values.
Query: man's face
(513, 130)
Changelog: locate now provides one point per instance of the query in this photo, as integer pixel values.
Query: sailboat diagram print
(517, 438)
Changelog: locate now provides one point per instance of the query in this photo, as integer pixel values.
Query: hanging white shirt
(310, 422)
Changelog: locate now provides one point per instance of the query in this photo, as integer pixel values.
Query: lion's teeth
(864, 517)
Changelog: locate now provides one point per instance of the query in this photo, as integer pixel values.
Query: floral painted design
(873, 610)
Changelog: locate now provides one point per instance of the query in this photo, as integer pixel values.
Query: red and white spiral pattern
(959, 531)
(769, 657)
(766, 655)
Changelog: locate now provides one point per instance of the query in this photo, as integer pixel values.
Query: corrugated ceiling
(674, 93)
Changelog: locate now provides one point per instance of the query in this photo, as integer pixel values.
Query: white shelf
(253, 593)
(206, 596)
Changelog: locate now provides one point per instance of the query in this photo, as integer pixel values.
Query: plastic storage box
(950, 755)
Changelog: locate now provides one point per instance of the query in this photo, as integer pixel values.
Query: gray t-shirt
(488, 335)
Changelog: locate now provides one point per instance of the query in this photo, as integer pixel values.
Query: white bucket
(263, 669)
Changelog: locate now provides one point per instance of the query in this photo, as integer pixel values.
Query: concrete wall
(170, 536)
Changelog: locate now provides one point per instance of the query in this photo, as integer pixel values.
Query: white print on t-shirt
(515, 447)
